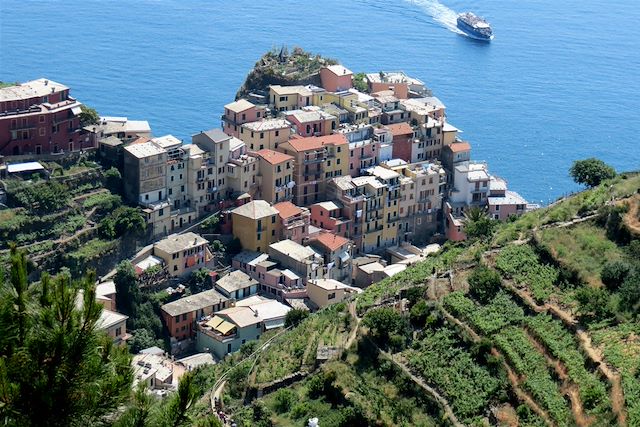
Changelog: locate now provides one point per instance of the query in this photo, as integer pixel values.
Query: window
(277, 132)
(332, 295)
(177, 318)
(184, 316)
(273, 232)
(497, 208)
(273, 219)
(261, 135)
(175, 268)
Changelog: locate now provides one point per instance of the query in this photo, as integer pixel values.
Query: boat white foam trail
(440, 13)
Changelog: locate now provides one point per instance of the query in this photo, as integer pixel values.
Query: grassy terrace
(416, 275)
(298, 347)
(584, 202)
(582, 248)
(621, 348)
(522, 264)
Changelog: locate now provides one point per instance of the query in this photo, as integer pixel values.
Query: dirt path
(616, 393)
(568, 387)
(522, 395)
(441, 400)
(354, 332)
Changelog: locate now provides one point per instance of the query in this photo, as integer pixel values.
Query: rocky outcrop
(280, 67)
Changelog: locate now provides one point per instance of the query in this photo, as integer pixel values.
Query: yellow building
(255, 225)
(285, 98)
(265, 134)
(183, 253)
(324, 292)
(275, 175)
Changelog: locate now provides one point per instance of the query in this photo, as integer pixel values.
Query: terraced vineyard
(548, 334)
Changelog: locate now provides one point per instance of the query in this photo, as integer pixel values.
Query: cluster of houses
(321, 185)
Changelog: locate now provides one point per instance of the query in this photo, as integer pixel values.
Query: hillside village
(343, 198)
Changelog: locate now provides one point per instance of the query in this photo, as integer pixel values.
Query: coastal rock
(279, 67)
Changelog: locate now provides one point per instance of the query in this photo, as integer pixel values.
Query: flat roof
(383, 173)
(106, 288)
(509, 198)
(303, 116)
(31, 89)
(109, 318)
(236, 280)
(364, 180)
(179, 242)
(267, 124)
(144, 149)
(24, 167)
(167, 141)
(215, 135)
(290, 90)
(194, 302)
(331, 284)
(239, 106)
(250, 257)
(330, 205)
(293, 250)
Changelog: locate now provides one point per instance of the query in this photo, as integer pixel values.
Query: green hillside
(535, 325)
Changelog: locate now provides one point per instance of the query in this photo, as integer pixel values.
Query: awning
(215, 321)
(224, 327)
(344, 256)
(76, 111)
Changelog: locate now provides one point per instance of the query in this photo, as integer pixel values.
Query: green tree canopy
(484, 284)
(387, 327)
(125, 220)
(127, 288)
(477, 224)
(591, 171)
(56, 367)
(295, 316)
(88, 116)
(113, 180)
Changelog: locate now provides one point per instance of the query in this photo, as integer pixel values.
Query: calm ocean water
(561, 81)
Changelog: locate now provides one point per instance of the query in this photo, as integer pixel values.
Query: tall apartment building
(255, 224)
(275, 175)
(39, 117)
(285, 98)
(317, 160)
(421, 192)
(220, 148)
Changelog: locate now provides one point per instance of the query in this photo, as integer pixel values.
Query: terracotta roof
(331, 241)
(457, 147)
(287, 209)
(315, 142)
(403, 128)
(273, 157)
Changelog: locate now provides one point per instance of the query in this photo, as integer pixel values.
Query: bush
(113, 180)
(295, 316)
(418, 313)
(283, 399)
(593, 302)
(387, 327)
(613, 274)
(484, 284)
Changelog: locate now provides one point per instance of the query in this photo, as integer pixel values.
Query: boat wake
(440, 13)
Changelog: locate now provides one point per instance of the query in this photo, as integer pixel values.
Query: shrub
(484, 284)
(613, 274)
(295, 316)
(283, 399)
(387, 327)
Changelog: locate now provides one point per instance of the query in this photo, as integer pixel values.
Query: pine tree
(56, 367)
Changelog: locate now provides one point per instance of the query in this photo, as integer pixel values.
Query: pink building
(312, 121)
(336, 78)
(403, 139)
(337, 252)
(503, 203)
(294, 221)
(328, 216)
(238, 113)
(273, 280)
(455, 226)
(362, 155)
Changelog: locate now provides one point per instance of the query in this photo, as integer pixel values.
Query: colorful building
(276, 175)
(336, 78)
(255, 224)
(39, 117)
(265, 134)
(317, 160)
(294, 221)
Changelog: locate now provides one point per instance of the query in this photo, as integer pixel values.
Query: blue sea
(561, 80)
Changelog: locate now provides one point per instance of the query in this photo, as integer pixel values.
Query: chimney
(46, 82)
(255, 313)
